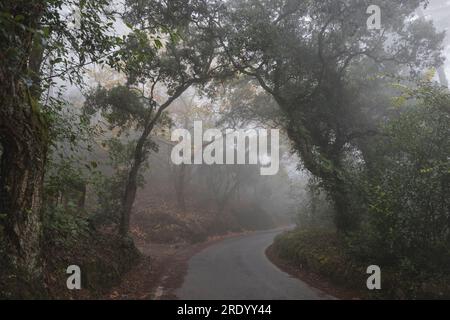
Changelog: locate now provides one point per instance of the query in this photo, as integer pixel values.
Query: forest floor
(160, 271)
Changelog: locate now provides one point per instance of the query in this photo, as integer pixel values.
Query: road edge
(313, 279)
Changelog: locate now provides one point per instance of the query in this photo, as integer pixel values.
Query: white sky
(439, 12)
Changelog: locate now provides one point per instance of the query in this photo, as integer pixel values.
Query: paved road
(237, 268)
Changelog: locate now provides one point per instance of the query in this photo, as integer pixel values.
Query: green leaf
(19, 18)
(158, 44)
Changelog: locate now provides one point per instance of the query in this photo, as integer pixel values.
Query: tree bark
(128, 200)
(24, 141)
(21, 184)
(131, 186)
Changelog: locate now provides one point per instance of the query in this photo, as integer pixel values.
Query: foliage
(175, 66)
(320, 251)
(328, 254)
(408, 197)
(315, 209)
(120, 106)
(109, 188)
(65, 37)
(403, 201)
(64, 217)
(63, 226)
(43, 45)
(306, 56)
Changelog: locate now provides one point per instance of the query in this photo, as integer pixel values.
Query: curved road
(237, 268)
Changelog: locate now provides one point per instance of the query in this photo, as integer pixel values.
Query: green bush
(408, 219)
(109, 193)
(320, 251)
(329, 255)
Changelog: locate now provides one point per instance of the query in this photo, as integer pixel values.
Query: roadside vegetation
(404, 211)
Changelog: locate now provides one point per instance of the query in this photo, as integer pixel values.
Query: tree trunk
(139, 158)
(128, 200)
(24, 141)
(334, 185)
(131, 185)
(179, 187)
(21, 184)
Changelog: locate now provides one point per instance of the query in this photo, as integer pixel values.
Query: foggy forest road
(237, 268)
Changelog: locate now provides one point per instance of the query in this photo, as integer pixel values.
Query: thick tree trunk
(21, 184)
(24, 140)
(333, 183)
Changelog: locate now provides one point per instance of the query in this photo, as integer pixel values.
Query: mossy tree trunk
(21, 184)
(23, 138)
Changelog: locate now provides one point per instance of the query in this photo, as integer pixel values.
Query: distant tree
(185, 58)
(222, 183)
